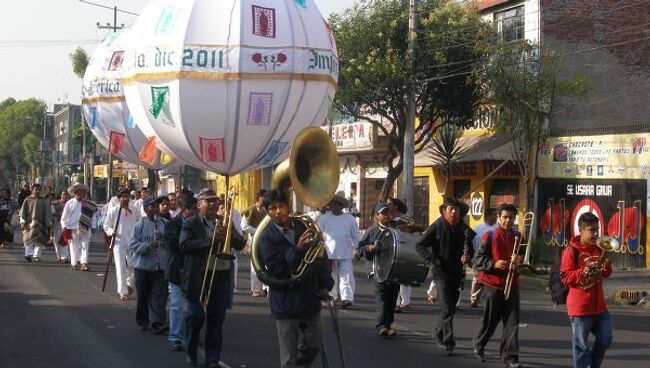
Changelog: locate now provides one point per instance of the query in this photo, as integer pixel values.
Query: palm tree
(445, 150)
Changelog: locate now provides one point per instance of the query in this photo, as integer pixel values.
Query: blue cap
(380, 207)
(150, 200)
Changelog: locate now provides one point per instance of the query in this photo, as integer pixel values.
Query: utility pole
(409, 129)
(114, 27)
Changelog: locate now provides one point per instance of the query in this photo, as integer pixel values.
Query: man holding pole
(119, 223)
(76, 220)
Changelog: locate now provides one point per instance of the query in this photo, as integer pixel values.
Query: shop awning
(496, 147)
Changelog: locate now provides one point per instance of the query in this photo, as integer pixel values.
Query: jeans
(215, 315)
(600, 326)
(176, 301)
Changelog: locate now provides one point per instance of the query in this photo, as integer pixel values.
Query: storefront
(606, 175)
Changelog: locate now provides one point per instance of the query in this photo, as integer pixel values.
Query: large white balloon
(105, 107)
(227, 84)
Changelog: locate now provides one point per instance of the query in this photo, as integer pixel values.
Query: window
(504, 191)
(421, 200)
(510, 24)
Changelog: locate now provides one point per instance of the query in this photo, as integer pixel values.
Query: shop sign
(476, 206)
(620, 206)
(352, 137)
(623, 156)
(100, 171)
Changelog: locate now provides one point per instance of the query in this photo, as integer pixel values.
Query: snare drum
(397, 259)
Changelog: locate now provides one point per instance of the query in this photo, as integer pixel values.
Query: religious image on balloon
(272, 153)
(167, 20)
(263, 21)
(92, 122)
(116, 60)
(116, 144)
(259, 108)
(212, 150)
(159, 108)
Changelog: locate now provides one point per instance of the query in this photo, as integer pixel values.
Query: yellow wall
(245, 186)
(437, 185)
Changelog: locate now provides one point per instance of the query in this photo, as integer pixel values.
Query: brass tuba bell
(312, 173)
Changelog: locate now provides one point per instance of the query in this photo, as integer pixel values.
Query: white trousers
(123, 270)
(404, 296)
(79, 247)
(343, 275)
(256, 284)
(33, 249)
(61, 252)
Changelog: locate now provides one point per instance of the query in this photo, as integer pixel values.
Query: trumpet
(596, 264)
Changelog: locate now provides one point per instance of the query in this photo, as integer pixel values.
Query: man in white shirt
(129, 215)
(71, 222)
(489, 223)
(144, 193)
(341, 235)
(174, 208)
(252, 217)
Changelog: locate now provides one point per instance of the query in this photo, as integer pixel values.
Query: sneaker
(513, 365)
(177, 346)
(257, 293)
(391, 332)
(36, 259)
(74, 268)
(124, 298)
(84, 267)
(480, 355)
(383, 331)
(346, 304)
(28, 258)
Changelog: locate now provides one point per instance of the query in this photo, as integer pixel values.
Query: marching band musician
(296, 309)
(35, 222)
(385, 292)
(341, 234)
(397, 210)
(149, 274)
(587, 309)
(493, 262)
(76, 220)
(121, 251)
(443, 246)
(195, 241)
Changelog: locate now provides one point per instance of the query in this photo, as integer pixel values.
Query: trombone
(224, 253)
(525, 266)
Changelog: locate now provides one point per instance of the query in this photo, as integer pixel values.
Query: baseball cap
(380, 207)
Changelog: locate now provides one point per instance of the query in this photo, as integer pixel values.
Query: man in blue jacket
(296, 307)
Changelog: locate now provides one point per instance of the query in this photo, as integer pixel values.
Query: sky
(37, 37)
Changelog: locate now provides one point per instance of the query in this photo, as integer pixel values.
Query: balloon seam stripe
(150, 77)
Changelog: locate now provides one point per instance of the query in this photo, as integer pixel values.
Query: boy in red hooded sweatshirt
(493, 261)
(586, 304)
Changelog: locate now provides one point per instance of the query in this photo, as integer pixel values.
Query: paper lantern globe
(227, 85)
(105, 109)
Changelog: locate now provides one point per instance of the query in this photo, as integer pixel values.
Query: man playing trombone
(493, 262)
(206, 279)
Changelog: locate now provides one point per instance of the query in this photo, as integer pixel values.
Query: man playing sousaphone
(446, 246)
(586, 300)
(296, 309)
(205, 276)
(76, 221)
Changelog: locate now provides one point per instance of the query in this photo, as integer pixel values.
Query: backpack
(559, 291)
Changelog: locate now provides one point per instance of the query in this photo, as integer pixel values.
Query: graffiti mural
(619, 205)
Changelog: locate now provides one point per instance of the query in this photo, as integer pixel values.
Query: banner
(620, 206)
(622, 156)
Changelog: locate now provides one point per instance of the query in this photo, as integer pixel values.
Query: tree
(33, 155)
(17, 119)
(375, 73)
(520, 82)
(445, 151)
(80, 62)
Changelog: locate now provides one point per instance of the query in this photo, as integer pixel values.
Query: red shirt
(501, 249)
(580, 302)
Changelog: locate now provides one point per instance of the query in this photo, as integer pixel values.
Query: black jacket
(174, 258)
(279, 257)
(194, 246)
(442, 246)
(369, 237)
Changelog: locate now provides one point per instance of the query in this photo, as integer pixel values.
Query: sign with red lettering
(352, 137)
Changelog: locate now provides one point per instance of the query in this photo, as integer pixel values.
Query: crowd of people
(165, 248)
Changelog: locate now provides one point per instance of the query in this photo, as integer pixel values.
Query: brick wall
(609, 42)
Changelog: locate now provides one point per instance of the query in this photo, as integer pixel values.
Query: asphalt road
(52, 316)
